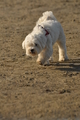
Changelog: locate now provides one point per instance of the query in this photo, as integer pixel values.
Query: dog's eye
(35, 44)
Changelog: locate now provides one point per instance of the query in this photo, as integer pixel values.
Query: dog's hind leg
(62, 47)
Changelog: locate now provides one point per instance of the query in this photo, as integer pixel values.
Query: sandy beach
(29, 91)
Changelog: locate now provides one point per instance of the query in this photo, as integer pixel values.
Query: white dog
(41, 40)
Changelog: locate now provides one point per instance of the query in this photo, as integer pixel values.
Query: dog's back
(46, 16)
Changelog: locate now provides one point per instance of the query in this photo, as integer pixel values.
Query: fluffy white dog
(41, 40)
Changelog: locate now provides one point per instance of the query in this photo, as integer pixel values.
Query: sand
(29, 91)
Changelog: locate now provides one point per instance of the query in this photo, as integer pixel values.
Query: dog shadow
(70, 65)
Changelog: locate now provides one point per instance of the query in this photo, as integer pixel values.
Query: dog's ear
(23, 44)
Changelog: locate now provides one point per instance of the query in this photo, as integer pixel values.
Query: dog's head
(33, 45)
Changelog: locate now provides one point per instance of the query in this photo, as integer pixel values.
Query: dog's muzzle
(32, 50)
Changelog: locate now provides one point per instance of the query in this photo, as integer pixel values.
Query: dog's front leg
(44, 55)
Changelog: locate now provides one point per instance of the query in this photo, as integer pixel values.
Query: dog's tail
(49, 15)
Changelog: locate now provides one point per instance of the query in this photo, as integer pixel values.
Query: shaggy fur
(41, 44)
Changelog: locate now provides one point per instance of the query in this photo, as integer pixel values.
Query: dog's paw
(51, 60)
(39, 62)
(47, 63)
(63, 59)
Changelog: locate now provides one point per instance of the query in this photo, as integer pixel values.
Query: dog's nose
(32, 50)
